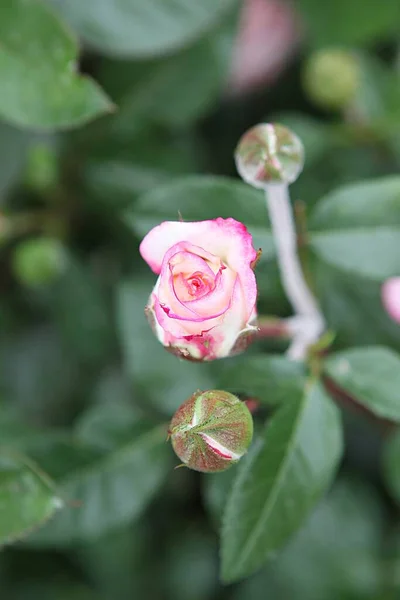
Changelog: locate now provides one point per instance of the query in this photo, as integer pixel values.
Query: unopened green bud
(269, 153)
(211, 431)
(42, 168)
(331, 77)
(38, 261)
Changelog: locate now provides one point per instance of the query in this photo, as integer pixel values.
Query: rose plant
(142, 328)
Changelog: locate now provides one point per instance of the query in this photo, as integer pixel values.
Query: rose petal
(224, 238)
(391, 298)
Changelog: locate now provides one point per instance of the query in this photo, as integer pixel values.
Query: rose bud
(391, 298)
(211, 431)
(203, 305)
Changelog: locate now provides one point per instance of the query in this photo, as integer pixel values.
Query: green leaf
(27, 497)
(81, 314)
(115, 173)
(349, 302)
(37, 374)
(142, 29)
(204, 197)
(368, 253)
(158, 375)
(391, 464)
(350, 23)
(41, 88)
(271, 379)
(366, 204)
(216, 488)
(371, 375)
(151, 91)
(349, 296)
(106, 490)
(280, 481)
(335, 555)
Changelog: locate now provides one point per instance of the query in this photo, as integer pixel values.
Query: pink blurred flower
(268, 35)
(203, 305)
(391, 298)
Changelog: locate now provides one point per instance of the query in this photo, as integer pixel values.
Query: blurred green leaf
(391, 464)
(158, 375)
(366, 204)
(349, 296)
(371, 375)
(120, 564)
(130, 28)
(369, 253)
(103, 425)
(116, 172)
(82, 315)
(37, 374)
(37, 61)
(191, 567)
(280, 480)
(350, 23)
(270, 379)
(49, 590)
(152, 91)
(216, 487)
(106, 489)
(349, 302)
(335, 555)
(14, 145)
(27, 497)
(204, 197)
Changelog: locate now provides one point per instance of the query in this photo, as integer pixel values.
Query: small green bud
(269, 153)
(38, 261)
(42, 168)
(331, 78)
(211, 431)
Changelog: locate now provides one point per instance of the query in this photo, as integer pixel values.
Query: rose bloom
(203, 305)
(391, 298)
(269, 33)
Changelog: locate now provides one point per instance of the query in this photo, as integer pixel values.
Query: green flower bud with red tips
(211, 431)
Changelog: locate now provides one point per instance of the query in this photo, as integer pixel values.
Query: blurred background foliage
(85, 170)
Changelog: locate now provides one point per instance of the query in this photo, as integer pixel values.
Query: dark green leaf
(38, 375)
(152, 91)
(106, 489)
(350, 23)
(27, 497)
(14, 145)
(371, 375)
(350, 302)
(391, 464)
(82, 315)
(135, 28)
(115, 175)
(335, 555)
(270, 379)
(41, 88)
(280, 480)
(216, 488)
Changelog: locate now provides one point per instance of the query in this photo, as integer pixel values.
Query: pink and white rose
(203, 305)
(391, 298)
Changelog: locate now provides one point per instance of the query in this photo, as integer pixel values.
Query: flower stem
(308, 323)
